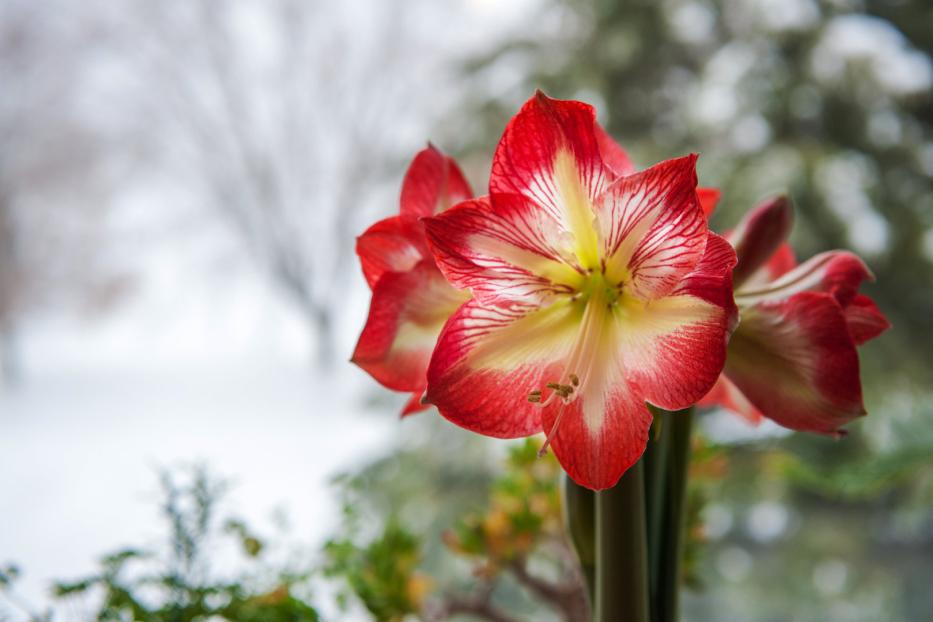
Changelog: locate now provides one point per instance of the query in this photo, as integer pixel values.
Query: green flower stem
(670, 551)
(621, 551)
(580, 520)
(655, 459)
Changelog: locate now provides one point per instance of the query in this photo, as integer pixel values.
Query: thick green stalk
(621, 551)
(655, 459)
(666, 600)
(580, 520)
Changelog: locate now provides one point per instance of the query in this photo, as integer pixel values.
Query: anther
(563, 390)
(574, 380)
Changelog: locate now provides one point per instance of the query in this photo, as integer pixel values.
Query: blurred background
(181, 183)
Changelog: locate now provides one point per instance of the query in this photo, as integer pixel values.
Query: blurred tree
(53, 174)
(285, 117)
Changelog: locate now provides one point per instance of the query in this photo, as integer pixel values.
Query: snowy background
(192, 351)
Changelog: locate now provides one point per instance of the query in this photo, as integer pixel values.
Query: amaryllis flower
(596, 289)
(411, 298)
(793, 357)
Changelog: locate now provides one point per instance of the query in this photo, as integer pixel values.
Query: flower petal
(406, 315)
(759, 235)
(795, 362)
(836, 272)
(550, 154)
(504, 252)
(390, 245)
(432, 184)
(708, 198)
(614, 156)
(781, 262)
(488, 359)
(864, 319)
(726, 395)
(414, 404)
(652, 229)
(597, 456)
(674, 348)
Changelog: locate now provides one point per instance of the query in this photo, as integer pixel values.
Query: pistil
(583, 356)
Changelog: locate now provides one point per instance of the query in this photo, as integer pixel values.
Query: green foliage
(8, 575)
(524, 508)
(514, 524)
(181, 586)
(861, 479)
(382, 573)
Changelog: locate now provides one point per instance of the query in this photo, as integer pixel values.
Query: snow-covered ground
(225, 379)
(79, 456)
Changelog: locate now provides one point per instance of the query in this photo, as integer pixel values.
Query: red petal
(432, 184)
(597, 458)
(708, 198)
(614, 156)
(836, 272)
(406, 315)
(675, 354)
(503, 252)
(550, 154)
(781, 262)
(864, 319)
(795, 361)
(652, 229)
(488, 359)
(759, 235)
(726, 395)
(390, 245)
(414, 404)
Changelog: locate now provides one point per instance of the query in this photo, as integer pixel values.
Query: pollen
(563, 390)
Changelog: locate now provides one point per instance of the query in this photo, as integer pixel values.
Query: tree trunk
(10, 369)
(326, 351)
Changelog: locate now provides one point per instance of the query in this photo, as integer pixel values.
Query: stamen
(547, 441)
(582, 358)
(563, 390)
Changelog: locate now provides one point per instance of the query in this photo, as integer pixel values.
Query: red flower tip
(759, 234)
(432, 183)
(708, 198)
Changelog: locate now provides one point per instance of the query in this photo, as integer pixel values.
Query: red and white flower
(793, 358)
(411, 298)
(596, 289)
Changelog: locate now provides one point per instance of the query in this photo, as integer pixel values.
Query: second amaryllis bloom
(411, 298)
(793, 358)
(596, 290)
